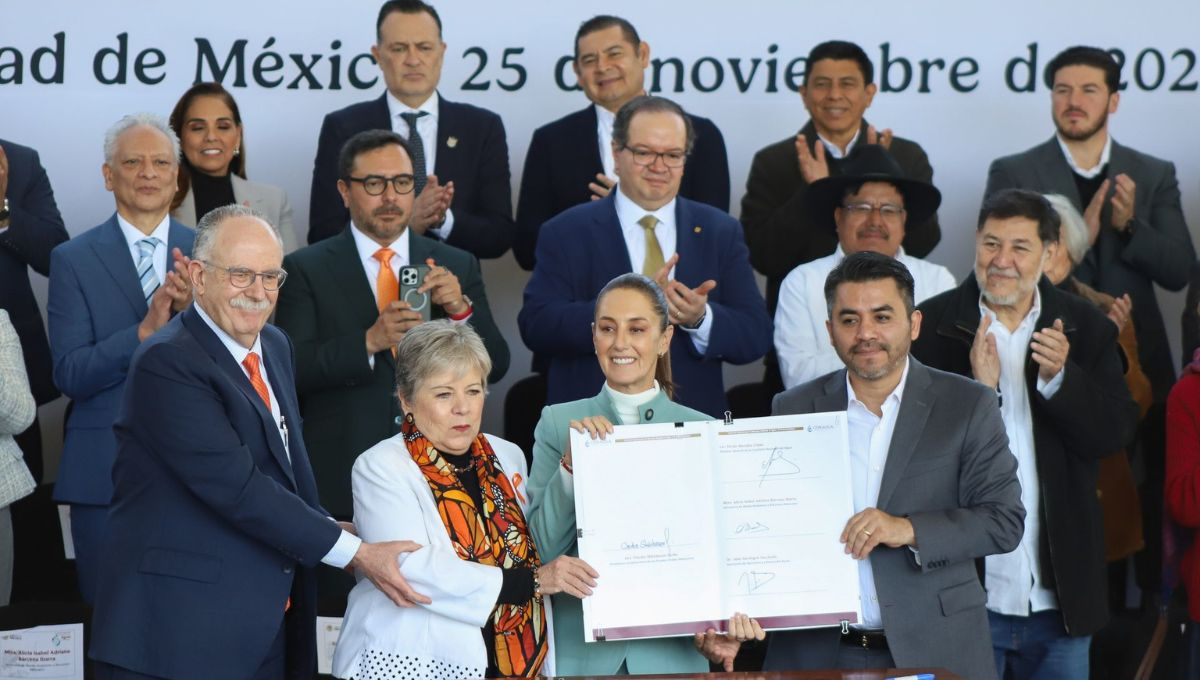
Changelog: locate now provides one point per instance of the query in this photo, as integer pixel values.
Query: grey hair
(206, 230)
(131, 121)
(1073, 232)
(437, 346)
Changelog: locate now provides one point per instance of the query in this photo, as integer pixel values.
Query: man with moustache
(1138, 236)
(1052, 358)
(459, 152)
(111, 288)
(867, 206)
(215, 526)
(341, 308)
(570, 160)
(838, 88)
(935, 487)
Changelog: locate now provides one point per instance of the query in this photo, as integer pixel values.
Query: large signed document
(688, 523)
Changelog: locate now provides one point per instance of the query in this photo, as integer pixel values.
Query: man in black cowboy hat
(867, 206)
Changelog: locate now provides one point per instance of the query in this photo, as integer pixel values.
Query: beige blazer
(265, 198)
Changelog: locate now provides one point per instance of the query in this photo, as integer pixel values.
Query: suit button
(288, 569)
(649, 414)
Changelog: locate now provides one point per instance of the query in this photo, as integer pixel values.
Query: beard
(877, 372)
(1023, 289)
(1081, 135)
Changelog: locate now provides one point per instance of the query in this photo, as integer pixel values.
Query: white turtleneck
(628, 406)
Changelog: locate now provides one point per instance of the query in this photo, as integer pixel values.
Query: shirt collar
(605, 118)
(629, 212)
(1034, 311)
(1090, 172)
(897, 394)
(367, 247)
(235, 348)
(132, 234)
(397, 107)
(833, 149)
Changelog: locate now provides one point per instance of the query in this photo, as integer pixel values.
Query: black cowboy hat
(870, 163)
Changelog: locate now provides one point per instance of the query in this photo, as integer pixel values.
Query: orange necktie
(260, 386)
(386, 286)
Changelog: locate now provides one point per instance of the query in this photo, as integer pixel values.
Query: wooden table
(938, 674)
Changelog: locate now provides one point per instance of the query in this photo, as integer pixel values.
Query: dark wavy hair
(178, 117)
(658, 304)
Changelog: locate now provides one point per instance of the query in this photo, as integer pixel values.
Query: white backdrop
(735, 65)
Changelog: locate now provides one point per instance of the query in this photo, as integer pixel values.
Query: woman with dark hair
(632, 334)
(212, 172)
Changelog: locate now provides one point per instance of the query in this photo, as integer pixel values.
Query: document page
(646, 526)
(782, 501)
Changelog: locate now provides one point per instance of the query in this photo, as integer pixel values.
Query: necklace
(459, 470)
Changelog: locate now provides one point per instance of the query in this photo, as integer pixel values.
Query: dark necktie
(417, 148)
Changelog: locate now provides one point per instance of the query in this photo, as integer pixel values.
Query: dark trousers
(271, 668)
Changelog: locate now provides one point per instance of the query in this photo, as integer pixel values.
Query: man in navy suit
(215, 528)
(569, 161)
(110, 289)
(460, 155)
(694, 251)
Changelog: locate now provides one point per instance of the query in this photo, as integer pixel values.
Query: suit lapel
(236, 375)
(607, 231)
(589, 141)
(446, 164)
(274, 356)
(186, 212)
(346, 271)
(835, 396)
(915, 405)
(691, 270)
(113, 253)
(1054, 174)
(181, 237)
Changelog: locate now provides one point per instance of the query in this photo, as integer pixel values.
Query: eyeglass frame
(232, 272)
(655, 155)
(386, 181)
(887, 211)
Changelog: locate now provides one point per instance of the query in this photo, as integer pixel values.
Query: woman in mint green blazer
(632, 334)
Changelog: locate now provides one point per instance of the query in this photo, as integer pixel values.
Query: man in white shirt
(215, 527)
(1053, 359)
(111, 288)
(868, 206)
(459, 151)
(570, 160)
(934, 486)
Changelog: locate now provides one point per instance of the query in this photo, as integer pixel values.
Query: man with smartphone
(351, 298)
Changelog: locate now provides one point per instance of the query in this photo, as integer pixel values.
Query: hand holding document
(689, 522)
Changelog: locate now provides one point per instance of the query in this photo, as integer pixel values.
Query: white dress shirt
(1013, 580)
(833, 149)
(427, 128)
(628, 214)
(801, 339)
(366, 255)
(132, 235)
(604, 129)
(870, 438)
(1090, 172)
(347, 544)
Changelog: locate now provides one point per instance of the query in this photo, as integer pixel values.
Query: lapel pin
(697, 229)
(452, 142)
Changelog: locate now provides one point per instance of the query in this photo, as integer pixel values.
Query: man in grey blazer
(935, 487)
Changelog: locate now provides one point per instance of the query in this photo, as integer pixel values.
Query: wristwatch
(4, 214)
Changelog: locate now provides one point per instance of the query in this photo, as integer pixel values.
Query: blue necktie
(145, 266)
(418, 150)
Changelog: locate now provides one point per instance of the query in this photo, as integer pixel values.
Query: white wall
(961, 131)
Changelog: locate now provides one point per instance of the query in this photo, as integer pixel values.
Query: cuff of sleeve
(1049, 388)
(342, 551)
(443, 230)
(701, 333)
(566, 481)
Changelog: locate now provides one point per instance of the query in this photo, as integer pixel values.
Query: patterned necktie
(387, 288)
(145, 266)
(256, 379)
(418, 150)
(654, 255)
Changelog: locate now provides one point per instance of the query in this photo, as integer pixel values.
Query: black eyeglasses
(242, 277)
(671, 159)
(375, 184)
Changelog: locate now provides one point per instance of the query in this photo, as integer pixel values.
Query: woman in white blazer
(460, 494)
(212, 172)
(17, 410)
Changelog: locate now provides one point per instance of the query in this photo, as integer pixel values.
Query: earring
(237, 151)
(408, 418)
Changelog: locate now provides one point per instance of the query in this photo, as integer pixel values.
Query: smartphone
(412, 277)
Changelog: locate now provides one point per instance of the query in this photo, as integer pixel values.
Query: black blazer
(564, 157)
(1159, 251)
(347, 405)
(35, 227)
(778, 229)
(476, 161)
(1089, 417)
